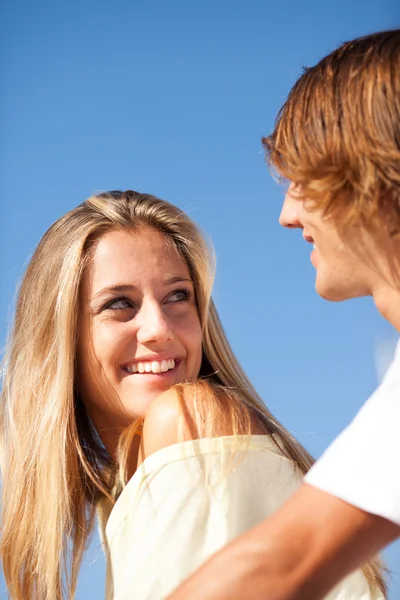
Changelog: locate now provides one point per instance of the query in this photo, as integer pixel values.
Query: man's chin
(329, 291)
(336, 293)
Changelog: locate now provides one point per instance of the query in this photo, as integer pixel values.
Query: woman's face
(139, 331)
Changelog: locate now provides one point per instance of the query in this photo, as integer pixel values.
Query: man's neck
(387, 301)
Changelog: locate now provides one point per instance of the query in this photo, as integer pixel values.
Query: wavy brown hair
(338, 134)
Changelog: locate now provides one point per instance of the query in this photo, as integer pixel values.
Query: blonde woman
(115, 328)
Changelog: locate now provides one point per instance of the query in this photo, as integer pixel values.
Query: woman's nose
(154, 327)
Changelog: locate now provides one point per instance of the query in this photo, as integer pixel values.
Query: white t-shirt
(188, 500)
(362, 466)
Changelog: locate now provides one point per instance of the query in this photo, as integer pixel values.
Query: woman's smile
(140, 327)
(150, 366)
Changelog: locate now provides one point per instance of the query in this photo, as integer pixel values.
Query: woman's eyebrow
(177, 279)
(121, 289)
(114, 289)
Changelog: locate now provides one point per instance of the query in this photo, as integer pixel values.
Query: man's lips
(308, 238)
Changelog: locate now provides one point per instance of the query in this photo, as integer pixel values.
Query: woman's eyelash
(187, 293)
(109, 304)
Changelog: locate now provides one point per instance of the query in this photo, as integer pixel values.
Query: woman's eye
(119, 304)
(180, 296)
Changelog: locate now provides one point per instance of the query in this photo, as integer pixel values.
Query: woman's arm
(299, 553)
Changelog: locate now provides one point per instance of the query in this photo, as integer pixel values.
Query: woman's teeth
(154, 366)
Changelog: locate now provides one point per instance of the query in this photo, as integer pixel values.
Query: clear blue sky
(172, 98)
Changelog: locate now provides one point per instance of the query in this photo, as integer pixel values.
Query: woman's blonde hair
(54, 467)
(338, 134)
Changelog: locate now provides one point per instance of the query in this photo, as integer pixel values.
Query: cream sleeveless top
(188, 500)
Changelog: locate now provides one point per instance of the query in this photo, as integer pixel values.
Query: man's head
(337, 139)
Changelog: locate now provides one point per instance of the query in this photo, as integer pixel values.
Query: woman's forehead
(138, 257)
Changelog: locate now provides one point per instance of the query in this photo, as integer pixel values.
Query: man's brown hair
(338, 134)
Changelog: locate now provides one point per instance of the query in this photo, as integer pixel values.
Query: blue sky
(172, 98)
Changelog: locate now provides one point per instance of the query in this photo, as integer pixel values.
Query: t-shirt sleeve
(361, 466)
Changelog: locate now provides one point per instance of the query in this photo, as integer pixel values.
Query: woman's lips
(151, 367)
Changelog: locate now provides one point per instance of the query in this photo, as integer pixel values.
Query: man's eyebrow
(121, 289)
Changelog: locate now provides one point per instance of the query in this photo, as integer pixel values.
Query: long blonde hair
(54, 467)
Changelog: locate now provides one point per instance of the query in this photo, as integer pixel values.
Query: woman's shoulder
(172, 417)
(188, 412)
(161, 424)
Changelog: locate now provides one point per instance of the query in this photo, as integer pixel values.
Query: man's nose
(289, 216)
(154, 326)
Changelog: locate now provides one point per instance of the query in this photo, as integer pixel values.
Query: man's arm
(299, 553)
